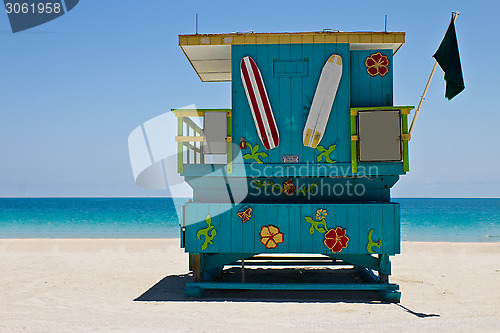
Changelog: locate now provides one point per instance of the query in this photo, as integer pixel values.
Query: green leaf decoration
(258, 183)
(254, 154)
(304, 190)
(204, 232)
(325, 153)
(316, 225)
(371, 244)
(266, 184)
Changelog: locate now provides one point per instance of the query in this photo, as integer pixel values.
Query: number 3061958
(40, 8)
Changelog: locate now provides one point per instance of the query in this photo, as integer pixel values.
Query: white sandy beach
(64, 285)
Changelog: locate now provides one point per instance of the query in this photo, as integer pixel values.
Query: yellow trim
(308, 137)
(229, 139)
(189, 139)
(335, 58)
(317, 136)
(330, 39)
(292, 37)
(188, 113)
(354, 138)
(307, 39)
(198, 112)
(284, 39)
(296, 39)
(261, 39)
(370, 108)
(406, 137)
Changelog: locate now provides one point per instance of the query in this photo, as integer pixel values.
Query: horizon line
(167, 197)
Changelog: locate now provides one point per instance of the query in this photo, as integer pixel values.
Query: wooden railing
(190, 136)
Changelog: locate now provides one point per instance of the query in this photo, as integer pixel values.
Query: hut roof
(210, 54)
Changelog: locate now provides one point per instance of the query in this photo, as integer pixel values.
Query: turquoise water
(88, 218)
(451, 220)
(454, 220)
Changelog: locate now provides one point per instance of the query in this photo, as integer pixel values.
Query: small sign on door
(290, 158)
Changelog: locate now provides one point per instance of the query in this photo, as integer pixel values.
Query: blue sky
(73, 89)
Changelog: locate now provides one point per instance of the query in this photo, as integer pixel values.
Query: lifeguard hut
(322, 196)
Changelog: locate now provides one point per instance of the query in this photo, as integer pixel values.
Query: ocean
(450, 220)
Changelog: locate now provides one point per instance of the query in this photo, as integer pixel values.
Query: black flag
(448, 58)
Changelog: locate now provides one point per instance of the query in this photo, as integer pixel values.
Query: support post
(404, 129)
(242, 270)
(354, 152)
(180, 158)
(196, 266)
(229, 142)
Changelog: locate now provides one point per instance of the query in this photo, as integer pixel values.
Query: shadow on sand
(171, 288)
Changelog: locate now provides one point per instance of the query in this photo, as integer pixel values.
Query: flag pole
(417, 111)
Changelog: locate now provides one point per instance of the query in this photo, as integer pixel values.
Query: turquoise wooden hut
(331, 201)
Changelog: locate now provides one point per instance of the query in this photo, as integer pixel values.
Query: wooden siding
(367, 90)
(233, 236)
(291, 98)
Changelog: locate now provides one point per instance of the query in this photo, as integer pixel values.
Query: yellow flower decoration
(321, 214)
(270, 236)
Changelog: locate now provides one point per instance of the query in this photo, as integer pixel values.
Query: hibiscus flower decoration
(321, 214)
(270, 236)
(336, 240)
(377, 63)
(288, 188)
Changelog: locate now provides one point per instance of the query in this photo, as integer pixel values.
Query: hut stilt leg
(195, 264)
(196, 267)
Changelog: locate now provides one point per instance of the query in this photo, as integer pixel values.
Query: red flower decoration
(288, 188)
(336, 240)
(377, 63)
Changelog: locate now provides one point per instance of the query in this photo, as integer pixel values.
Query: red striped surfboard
(259, 103)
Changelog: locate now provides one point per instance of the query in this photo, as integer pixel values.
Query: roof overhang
(210, 54)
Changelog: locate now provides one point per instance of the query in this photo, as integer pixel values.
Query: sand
(62, 285)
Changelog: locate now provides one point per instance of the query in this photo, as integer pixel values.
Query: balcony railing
(190, 137)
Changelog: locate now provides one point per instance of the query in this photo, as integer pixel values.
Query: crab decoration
(377, 64)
